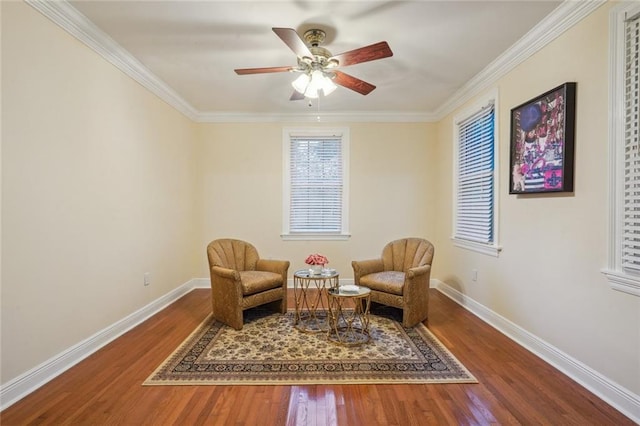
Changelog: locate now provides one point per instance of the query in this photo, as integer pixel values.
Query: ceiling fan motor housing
(320, 60)
(314, 37)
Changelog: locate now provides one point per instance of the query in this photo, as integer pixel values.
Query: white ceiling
(194, 46)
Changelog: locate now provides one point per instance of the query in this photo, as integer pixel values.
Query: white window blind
(316, 184)
(623, 266)
(631, 187)
(475, 177)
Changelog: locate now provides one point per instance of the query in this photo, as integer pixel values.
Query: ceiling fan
(318, 68)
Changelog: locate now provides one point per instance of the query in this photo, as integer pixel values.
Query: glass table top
(306, 273)
(349, 290)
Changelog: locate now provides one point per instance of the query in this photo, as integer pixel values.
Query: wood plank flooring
(515, 386)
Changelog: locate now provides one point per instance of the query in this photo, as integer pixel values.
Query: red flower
(316, 259)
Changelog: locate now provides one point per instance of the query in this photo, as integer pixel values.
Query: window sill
(623, 282)
(488, 249)
(315, 237)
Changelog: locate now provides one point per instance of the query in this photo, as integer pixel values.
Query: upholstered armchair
(400, 278)
(241, 280)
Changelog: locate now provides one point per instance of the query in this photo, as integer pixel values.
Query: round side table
(310, 298)
(349, 315)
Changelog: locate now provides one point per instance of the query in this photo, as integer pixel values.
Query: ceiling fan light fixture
(316, 82)
(301, 83)
(311, 84)
(311, 92)
(328, 86)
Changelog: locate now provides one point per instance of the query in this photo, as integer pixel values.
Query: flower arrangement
(316, 259)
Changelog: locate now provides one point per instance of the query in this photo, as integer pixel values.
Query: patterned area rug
(270, 351)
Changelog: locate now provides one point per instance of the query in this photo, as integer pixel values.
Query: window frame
(619, 278)
(493, 248)
(287, 134)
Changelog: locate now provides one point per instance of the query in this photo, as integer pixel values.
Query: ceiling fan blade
(353, 83)
(296, 96)
(293, 40)
(364, 54)
(243, 71)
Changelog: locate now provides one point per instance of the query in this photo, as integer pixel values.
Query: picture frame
(542, 142)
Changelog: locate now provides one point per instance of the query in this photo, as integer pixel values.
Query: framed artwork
(542, 142)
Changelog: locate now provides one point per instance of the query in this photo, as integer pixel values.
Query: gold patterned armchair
(400, 278)
(241, 280)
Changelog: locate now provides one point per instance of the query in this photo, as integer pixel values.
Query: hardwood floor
(515, 387)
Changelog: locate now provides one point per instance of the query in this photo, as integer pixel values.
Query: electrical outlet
(474, 275)
(147, 278)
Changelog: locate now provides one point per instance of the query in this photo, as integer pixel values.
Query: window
(315, 183)
(623, 269)
(475, 168)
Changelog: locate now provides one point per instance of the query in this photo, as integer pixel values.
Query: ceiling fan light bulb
(311, 92)
(328, 86)
(301, 83)
(317, 76)
(315, 85)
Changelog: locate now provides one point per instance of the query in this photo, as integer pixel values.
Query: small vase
(315, 269)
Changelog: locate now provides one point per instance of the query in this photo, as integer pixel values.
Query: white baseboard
(201, 282)
(620, 398)
(21, 386)
(617, 396)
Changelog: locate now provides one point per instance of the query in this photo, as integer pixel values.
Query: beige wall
(547, 279)
(102, 181)
(391, 179)
(98, 182)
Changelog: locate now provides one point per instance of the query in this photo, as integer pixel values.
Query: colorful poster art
(542, 145)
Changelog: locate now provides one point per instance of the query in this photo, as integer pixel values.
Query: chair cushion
(387, 281)
(257, 281)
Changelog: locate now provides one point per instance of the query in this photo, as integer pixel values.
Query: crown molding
(321, 117)
(567, 14)
(76, 24)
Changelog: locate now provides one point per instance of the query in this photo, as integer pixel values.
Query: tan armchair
(241, 280)
(400, 278)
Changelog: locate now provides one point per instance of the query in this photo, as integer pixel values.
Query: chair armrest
(416, 285)
(230, 274)
(272, 265)
(418, 270)
(225, 283)
(365, 267)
